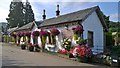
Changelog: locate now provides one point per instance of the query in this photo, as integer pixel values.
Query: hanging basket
(35, 33)
(28, 34)
(54, 31)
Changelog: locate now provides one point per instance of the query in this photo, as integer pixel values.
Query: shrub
(66, 44)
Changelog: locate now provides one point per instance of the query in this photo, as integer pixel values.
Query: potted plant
(30, 47)
(43, 35)
(23, 46)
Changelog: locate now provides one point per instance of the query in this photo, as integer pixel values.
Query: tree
(16, 15)
(29, 15)
(20, 14)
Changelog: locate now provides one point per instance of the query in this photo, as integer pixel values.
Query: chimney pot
(44, 16)
(57, 11)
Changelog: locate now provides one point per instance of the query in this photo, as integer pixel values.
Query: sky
(108, 7)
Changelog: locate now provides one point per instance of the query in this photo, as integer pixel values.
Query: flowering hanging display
(20, 34)
(44, 33)
(13, 34)
(78, 29)
(54, 31)
(27, 33)
(35, 33)
(77, 32)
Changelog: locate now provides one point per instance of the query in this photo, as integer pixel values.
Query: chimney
(57, 11)
(44, 16)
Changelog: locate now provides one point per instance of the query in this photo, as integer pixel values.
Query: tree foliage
(20, 14)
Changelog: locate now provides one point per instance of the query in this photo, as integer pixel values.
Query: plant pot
(23, 47)
(31, 48)
(37, 49)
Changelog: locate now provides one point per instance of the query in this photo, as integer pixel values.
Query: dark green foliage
(16, 14)
(19, 14)
(116, 50)
(114, 26)
(82, 41)
(29, 15)
(109, 40)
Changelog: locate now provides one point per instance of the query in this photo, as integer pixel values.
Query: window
(90, 39)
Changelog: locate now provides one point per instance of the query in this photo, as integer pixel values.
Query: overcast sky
(108, 7)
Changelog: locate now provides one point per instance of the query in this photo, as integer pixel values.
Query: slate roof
(28, 26)
(78, 15)
(70, 17)
(10, 30)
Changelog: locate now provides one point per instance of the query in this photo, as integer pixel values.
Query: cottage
(90, 19)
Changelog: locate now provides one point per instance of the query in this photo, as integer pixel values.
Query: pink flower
(80, 29)
(54, 31)
(44, 33)
(35, 33)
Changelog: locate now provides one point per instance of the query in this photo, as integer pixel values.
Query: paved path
(14, 56)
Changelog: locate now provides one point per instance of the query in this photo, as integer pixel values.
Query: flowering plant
(20, 34)
(35, 33)
(30, 44)
(27, 33)
(66, 44)
(78, 29)
(44, 33)
(83, 51)
(63, 51)
(54, 31)
(14, 35)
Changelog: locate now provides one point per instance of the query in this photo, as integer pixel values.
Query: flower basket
(37, 48)
(13, 34)
(31, 48)
(35, 33)
(23, 46)
(20, 34)
(27, 34)
(78, 30)
(44, 33)
(54, 31)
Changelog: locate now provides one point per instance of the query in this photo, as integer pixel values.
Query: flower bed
(82, 53)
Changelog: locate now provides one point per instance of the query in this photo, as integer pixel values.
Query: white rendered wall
(92, 23)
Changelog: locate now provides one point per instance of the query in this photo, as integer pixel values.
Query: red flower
(83, 51)
(63, 51)
(30, 44)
